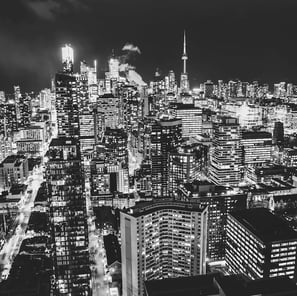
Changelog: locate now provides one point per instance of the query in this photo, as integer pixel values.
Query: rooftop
(202, 285)
(216, 284)
(146, 207)
(63, 141)
(13, 158)
(181, 106)
(256, 135)
(265, 225)
(113, 249)
(237, 285)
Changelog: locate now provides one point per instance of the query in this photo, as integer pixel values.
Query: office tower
(172, 81)
(32, 140)
(16, 98)
(208, 89)
(11, 122)
(89, 73)
(24, 107)
(131, 107)
(232, 89)
(67, 105)
(260, 245)
(2, 97)
(250, 116)
(67, 97)
(115, 142)
(69, 231)
(162, 239)
(165, 136)
(220, 89)
(5, 146)
(278, 133)
(279, 90)
(184, 80)
(220, 201)
(257, 148)
(108, 107)
(186, 164)
(88, 87)
(45, 99)
(103, 178)
(191, 117)
(82, 87)
(290, 89)
(67, 59)
(116, 155)
(226, 154)
(87, 123)
(2, 120)
(13, 170)
(114, 67)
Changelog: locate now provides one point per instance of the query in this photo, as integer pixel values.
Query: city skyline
(148, 149)
(253, 41)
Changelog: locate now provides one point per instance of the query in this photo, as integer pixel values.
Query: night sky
(227, 39)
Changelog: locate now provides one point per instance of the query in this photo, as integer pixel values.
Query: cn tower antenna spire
(184, 56)
(185, 43)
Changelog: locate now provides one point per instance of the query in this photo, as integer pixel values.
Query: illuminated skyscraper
(11, 123)
(166, 134)
(220, 201)
(65, 179)
(67, 98)
(162, 239)
(226, 155)
(184, 80)
(69, 231)
(88, 86)
(67, 105)
(67, 58)
(208, 89)
(114, 67)
(24, 107)
(191, 117)
(278, 133)
(172, 81)
(257, 148)
(108, 107)
(185, 165)
(87, 126)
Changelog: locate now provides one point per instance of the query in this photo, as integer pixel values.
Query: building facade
(165, 136)
(226, 154)
(260, 245)
(162, 239)
(69, 231)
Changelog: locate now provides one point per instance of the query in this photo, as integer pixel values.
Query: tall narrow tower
(184, 81)
(184, 56)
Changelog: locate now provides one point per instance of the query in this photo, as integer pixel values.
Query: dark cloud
(44, 9)
(247, 39)
(50, 9)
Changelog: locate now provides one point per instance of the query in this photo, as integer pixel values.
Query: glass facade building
(69, 229)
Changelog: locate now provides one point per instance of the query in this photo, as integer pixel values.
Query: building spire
(184, 81)
(184, 56)
(185, 43)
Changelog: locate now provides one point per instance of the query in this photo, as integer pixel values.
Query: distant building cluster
(120, 187)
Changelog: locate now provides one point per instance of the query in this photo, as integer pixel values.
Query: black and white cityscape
(119, 183)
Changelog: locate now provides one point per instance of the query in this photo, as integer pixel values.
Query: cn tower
(184, 56)
(184, 81)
